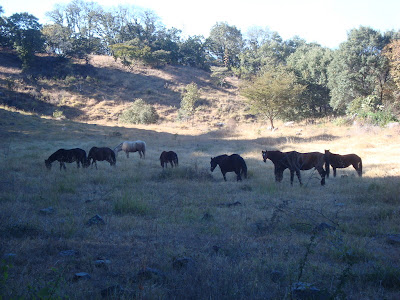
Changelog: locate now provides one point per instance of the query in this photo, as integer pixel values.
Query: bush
(370, 110)
(139, 113)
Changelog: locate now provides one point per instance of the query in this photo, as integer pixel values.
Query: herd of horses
(292, 160)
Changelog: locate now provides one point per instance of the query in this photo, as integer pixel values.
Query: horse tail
(144, 149)
(327, 164)
(359, 171)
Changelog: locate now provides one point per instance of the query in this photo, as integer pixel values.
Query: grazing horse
(128, 146)
(295, 161)
(233, 163)
(101, 154)
(67, 156)
(342, 161)
(168, 157)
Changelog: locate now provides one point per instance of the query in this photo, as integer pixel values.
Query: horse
(129, 146)
(168, 157)
(101, 154)
(233, 163)
(295, 161)
(342, 161)
(67, 156)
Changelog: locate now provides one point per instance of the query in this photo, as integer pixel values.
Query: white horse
(128, 146)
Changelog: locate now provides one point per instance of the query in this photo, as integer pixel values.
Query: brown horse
(342, 161)
(67, 156)
(295, 161)
(232, 163)
(101, 154)
(168, 157)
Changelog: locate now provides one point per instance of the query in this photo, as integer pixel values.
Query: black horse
(342, 161)
(101, 154)
(233, 163)
(67, 156)
(295, 161)
(168, 157)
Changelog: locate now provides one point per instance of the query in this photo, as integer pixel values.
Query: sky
(325, 22)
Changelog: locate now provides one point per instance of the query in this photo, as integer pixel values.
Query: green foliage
(190, 96)
(58, 114)
(22, 32)
(192, 53)
(139, 113)
(273, 94)
(369, 109)
(225, 42)
(310, 64)
(358, 68)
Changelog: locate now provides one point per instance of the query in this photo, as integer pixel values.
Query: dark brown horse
(168, 157)
(67, 156)
(101, 154)
(233, 163)
(295, 161)
(342, 161)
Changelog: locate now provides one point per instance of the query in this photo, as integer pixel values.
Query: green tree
(82, 20)
(265, 49)
(57, 39)
(225, 43)
(190, 96)
(358, 68)
(273, 94)
(24, 33)
(192, 53)
(310, 64)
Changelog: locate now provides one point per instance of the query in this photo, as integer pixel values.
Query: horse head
(213, 163)
(86, 162)
(264, 155)
(48, 164)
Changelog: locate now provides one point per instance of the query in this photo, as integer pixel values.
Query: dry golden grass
(153, 218)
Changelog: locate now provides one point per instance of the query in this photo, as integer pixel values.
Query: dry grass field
(184, 233)
(138, 231)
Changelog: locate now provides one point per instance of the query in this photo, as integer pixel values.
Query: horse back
(311, 160)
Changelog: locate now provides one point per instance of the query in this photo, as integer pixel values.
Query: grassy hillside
(101, 90)
(184, 233)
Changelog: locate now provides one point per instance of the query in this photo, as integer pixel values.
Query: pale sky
(323, 21)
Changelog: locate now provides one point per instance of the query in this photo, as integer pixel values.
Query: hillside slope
(101, 90)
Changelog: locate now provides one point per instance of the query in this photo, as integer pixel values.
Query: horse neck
(275, 156)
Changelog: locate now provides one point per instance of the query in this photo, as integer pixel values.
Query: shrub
(370, 110)
(190, 96)
(139, 113)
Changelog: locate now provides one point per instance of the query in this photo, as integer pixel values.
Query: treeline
(288, 79)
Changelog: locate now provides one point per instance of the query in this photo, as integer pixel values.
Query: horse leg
(238, 177)
(299, 176)
(127, 154)
(322, 173)
(172, 165)
(223, 174)
(334, 172)
(61, 164)
(95, 163)
(292, 177)
(65, 168)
